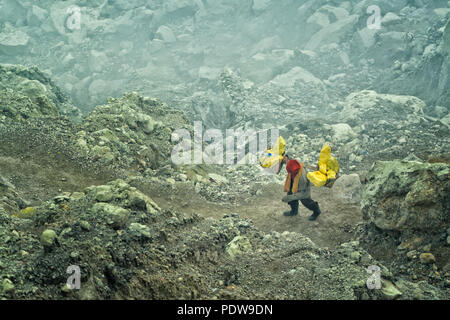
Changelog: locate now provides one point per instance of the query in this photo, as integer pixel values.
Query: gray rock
(412, 254)
(30, 93)
(365, 37)
(359, 105)
(97, 61)
(7, 286)
(342, 132)
(295, 74)
(403, 195)
(58, 15)
(260, 5)
(389, 290)
(347, 188)
(36, 16)
(138, 230)
(208, 73)
(317, 21)
(13, 41)
(442, 12)
(85, 225)
(332, 33)
(218, 178)
(390, 19)
(127, 4)
(114, 216)
(104, 193)
(48, 238)
(5, 183)
(165, 34)
(239, 245)
(139, 200)
(446, 120)
(412, 157)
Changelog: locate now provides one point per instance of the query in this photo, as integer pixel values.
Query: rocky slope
(34, 95)
(100, 192)
(126, 247)
(405, 206)
(176, 50)
(64, 203)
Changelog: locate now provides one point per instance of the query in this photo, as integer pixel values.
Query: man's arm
(280, 167)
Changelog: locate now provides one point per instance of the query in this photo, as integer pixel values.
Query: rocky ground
(94, 194)
(86, 177)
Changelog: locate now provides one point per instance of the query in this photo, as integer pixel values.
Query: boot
(290, 213)
(314, 215)
(293, 211)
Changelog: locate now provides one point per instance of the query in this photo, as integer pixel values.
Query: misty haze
(225, 150)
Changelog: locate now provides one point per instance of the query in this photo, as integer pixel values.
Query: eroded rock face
(405, 206)
(407, 195)
(131, 130)
(160, 46)
(127, 247)
(13, 41)
(10, 202)
(29, 93)
(370, 106)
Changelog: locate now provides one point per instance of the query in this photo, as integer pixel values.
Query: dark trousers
(307, 203)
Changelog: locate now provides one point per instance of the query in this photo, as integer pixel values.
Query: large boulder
(97, 61)
(165, 34)
(370, 106)
(114, 216)
(10, 202)
(262, 67)
(332, 33)
(130, 130)
(364, 38)
(11, 11)
(407, 195)
(208, 73)
(29, 93)
(238, 246)
(13, 41)
(446, 120)
(347, 188)
(289, 78)
(260, 5)
(36, 16)
(342, 132)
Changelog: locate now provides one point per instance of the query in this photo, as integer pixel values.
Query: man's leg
(294, 206)
(313, 206)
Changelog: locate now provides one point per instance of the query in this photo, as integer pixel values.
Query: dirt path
(266, 211)
(39, 179)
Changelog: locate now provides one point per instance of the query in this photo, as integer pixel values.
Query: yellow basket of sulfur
(274, 155)
(328, 169)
